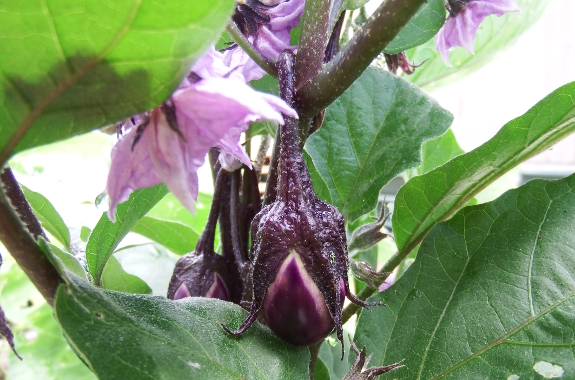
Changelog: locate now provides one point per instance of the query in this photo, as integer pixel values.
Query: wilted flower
(299, 259)
(171, 144)
(465, 16)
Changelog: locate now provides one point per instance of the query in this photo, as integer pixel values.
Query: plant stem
(313, 40)
(313, 354)
(373, 36)
(20, 239)
(245, 44)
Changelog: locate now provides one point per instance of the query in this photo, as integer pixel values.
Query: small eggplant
(299, 258)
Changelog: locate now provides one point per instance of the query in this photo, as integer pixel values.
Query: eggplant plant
(272, 275)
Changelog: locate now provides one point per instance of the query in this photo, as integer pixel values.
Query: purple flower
(268, 29)
(465, 17)
(274, 37)
(177, 136)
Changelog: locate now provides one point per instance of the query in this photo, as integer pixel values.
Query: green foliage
(320, 371)
(437, 152)
(107, 235)
(49, 218)
(371, 133)
(436, 195)
(67, 260)
(144, 337)
(494, 35)
(170, 208)
(423, 26)
(491, 293)
(69, 67)
(114, 277)
(177, 237)
(38, 338)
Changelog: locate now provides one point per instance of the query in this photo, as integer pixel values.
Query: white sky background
(542, 59)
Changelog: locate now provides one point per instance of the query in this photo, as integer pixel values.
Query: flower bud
(199, 275)
(368, 235)
(299, 258)
(365, 272)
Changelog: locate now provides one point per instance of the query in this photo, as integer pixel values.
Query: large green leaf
(48, 216)
(491, 294)
(371, 133)
(107, 235)
(71, 66)
(434, 196)
(494, 35)
(423, 26)
(177, 237)
(125, 336)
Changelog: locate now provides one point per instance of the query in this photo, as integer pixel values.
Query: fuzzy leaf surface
(371, 133)
(434, 196)
(107, 235)
(71, 66)
(145, 337)
(491, 293)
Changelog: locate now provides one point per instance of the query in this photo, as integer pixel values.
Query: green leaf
(330, 355)
(49, 218)
(85, 233)
(177, 237)
(116, 278)
(353, 4)
(107, 235)
(371, 133)
(320, 371)
(434, 196)
(438, 151)
(150, 262)
(494, 34)
(70, 263)
(145, 337)
(170, 208)
(423, 26)
(491, 293)
(68, 67)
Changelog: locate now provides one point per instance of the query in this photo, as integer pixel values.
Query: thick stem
(313, 40)
(250, 50)
(374, 35)
(21, 241)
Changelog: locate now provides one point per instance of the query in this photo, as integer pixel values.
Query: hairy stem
(373, 36)
(19, 230)
(313, 40)
(250, 50)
